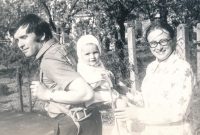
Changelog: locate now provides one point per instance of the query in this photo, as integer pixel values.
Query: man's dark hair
(35, 24)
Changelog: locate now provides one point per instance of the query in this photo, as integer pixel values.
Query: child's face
(90, 54)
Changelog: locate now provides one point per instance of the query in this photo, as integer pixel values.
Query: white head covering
(87, 39)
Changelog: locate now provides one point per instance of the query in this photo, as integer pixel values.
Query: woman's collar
(167, 61)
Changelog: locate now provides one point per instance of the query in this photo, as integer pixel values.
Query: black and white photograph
(100, 67)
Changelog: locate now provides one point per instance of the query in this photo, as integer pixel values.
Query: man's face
(27, 42)
(90, 54)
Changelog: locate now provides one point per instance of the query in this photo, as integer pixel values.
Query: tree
(12, 56)
(104, 18)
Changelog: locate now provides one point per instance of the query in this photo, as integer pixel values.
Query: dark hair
(35, 24)
(158, 24)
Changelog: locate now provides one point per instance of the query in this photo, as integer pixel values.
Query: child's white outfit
(99, 81)
(96, 76)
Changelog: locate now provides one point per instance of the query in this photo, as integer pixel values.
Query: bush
(4, 89)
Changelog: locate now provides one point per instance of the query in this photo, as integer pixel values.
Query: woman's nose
(159, 47)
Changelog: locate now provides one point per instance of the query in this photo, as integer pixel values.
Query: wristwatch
(51, 95)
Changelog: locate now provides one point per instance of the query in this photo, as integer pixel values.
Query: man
(60, 86)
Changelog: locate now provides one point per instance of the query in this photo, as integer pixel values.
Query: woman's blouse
(167, 91)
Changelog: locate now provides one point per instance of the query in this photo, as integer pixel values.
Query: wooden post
(62, 37)
(132, 58)
(198, 53)
(145, 24)
(29, 90)
(183, 48)
(19, 87)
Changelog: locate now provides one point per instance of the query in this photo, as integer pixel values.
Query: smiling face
(27, 42)
(160, 52)
(90, 54)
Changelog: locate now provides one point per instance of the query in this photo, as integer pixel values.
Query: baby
(97, 76)
(93, 71)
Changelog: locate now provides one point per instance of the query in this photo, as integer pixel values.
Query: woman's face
(160, 36)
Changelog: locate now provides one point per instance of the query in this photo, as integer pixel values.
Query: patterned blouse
(167, 91)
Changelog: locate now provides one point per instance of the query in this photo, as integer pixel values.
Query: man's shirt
(56, 72)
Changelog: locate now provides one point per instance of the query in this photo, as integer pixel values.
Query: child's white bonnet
(86, 40)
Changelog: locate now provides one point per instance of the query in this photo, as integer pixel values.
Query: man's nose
(21, 44)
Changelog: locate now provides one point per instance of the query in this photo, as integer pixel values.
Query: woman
(166, 88)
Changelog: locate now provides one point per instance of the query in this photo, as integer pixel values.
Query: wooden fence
(198, 52)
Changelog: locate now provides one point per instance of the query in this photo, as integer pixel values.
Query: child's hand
(130, 96)
(122, 88)
(107, 73)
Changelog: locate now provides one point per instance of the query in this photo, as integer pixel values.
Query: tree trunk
(163, 10)
(121, 40)
(122, 31)
(19, 87)
(29, 90)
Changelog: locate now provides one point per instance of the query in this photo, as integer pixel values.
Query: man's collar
(45, 47)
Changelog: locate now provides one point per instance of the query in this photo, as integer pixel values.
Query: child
(93, 71)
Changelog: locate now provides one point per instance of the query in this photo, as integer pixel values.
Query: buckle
(81, 114)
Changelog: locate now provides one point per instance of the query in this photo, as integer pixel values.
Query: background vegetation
(106, 19)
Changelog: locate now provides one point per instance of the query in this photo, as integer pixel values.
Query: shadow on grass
(7, 72)
(5, 102)
(6, 92)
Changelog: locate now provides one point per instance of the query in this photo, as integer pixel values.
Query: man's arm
(74, 87)
(78, 91)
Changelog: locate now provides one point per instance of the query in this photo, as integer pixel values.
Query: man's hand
(127, 113)
(39, 90)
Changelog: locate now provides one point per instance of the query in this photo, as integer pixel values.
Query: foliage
(103, 18)
(107, 117)
(11, 56)
(4, 90)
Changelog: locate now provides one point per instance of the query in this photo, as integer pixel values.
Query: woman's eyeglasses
(163, 42)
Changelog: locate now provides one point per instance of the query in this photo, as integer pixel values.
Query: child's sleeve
(92, 79)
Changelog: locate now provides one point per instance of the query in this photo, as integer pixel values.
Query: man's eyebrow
(23, 36)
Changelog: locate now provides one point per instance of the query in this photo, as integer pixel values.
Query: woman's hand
(127, 113)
